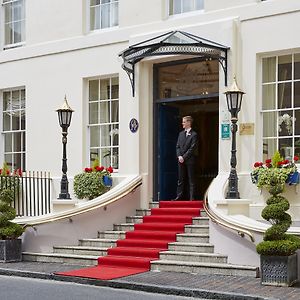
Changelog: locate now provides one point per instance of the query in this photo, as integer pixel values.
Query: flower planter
(107, 181)
(10, 250)
(279, 270)
(293, 178)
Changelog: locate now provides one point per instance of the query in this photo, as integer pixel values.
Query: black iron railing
(32, 192)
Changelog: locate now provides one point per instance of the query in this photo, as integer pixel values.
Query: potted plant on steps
(10, 245)
(278, 249)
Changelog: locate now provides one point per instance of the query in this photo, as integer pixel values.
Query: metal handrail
(217, 220)
(69, 215)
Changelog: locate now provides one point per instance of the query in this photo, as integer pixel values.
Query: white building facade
(52, 48)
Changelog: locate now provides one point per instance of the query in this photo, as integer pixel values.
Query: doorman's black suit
(186, 147)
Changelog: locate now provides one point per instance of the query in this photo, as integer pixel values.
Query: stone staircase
(191, 253)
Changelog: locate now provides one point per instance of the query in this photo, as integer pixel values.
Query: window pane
(95, 136)
(93, 113)
(94, 154)
(269, 69)
(95, 2)
(17, 141)
(115, 158)
(199, 4)
(23, 167)
(8, 159)
(297, 146)
(177, 7)
(104, 89)
(8, 142)
(297, 122)
(285, 123)
(17, 11)
(23, 142)
(6, 101)
(105, 16)
(187, 5)
(8, 34)
(115, 14)
(284, 95)
(23, 120)
(95, 18)
(105, 157)
(297, 94)
(269, 148)
(105, 136)
(114, 133)
(269, 96)
(104, 112)
(297, 66)
(115, 111)
(285, 148)
(17, 161)
(115, 88)
(284, 67)
(269, 124)
(15, 100)
(93, 90)
(6, 122)
(16, 121)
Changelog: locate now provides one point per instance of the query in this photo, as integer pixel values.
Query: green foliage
(276, 159)
(267, 176)
(95, 164)
(8, 230)
(89, 185)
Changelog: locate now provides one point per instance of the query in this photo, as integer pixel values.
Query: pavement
(171, 283)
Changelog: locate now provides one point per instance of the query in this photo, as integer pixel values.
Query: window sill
(186, 14)
(13, 46)
(97, 31)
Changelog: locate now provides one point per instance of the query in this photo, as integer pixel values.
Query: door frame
(156, 104)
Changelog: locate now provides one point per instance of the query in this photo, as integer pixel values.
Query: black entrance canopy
(170, 43)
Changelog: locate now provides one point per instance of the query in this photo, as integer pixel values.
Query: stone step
(200, 221)
(112, 234)
(124, 227)
(192, 257)
(106, 243)
(196, 229)
(143, 212)
(203, 268)
(192, 238)
(81, 250)
(134, 219)
(71, 259)
(191, 247)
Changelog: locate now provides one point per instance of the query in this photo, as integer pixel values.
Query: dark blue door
(168, 128)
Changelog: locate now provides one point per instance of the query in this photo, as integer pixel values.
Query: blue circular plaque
(133, 125)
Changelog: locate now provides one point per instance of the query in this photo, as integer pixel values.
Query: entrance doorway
(185, 88)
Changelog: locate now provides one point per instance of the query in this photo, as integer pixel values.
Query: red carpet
(142, 245)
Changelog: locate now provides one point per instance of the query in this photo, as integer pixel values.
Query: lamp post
(64, 117)
(234, 98)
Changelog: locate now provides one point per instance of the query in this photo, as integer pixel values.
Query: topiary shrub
(8, 229)
(276, 241)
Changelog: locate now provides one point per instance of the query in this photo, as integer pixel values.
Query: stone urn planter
(10, 250)
(279, 270)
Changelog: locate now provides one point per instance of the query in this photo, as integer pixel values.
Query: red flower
(88, 170)
(257, 164)
(268, 165)
(7, 172)
(110, 169)
(20, 172)
(0, 171)
(99, 169)
(280, 163)
(268, 161)
(286, 161)
(296, 158)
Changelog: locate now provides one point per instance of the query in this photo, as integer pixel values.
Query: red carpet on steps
(142, 245)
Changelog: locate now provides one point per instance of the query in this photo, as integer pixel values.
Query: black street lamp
(234, 98)
(64, 117)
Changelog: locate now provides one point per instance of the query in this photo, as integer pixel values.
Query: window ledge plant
(92, 182)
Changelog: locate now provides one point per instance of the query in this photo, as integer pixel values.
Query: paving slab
(183, 284)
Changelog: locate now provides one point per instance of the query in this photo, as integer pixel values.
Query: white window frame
(101, 124)
(111, 14)
(20, 130)
(193, 11)
(12, 45)
(278, 110)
